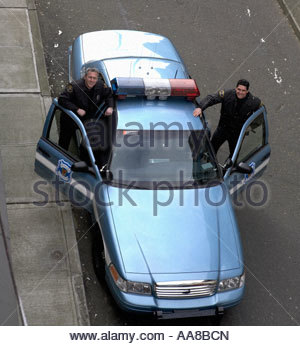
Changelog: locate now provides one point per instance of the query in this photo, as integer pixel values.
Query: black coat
(77, 95)
(234, 111)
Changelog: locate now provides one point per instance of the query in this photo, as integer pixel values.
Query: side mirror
(243, 168)
(82, 166)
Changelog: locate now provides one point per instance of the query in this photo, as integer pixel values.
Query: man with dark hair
(237, 106)
(83, 97)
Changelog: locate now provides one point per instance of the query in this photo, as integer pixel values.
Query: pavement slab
(13, 3)
(8, 298)
(23, 185)
(16, 52)
(46, 306)
(46, 264)
(21, 119)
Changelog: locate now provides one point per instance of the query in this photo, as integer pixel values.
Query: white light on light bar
(157, 88)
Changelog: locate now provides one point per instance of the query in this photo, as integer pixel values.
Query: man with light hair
(83, 97)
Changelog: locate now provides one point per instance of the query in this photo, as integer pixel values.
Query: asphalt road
(220, 42)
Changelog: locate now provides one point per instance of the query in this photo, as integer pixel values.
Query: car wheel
(98, 253)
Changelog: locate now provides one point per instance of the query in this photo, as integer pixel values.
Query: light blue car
(166, 236)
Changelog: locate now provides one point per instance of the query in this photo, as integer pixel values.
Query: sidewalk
(44, 252)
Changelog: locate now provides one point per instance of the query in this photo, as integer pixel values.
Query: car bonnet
(188, 234)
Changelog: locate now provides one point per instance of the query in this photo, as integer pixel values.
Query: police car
(166, 240)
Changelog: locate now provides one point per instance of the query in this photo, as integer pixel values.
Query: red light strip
(184, 87)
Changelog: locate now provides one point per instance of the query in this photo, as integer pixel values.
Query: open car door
(252, 151)
(65, 159)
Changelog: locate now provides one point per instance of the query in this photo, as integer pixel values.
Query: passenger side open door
(252, 151)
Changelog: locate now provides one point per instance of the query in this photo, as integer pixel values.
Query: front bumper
(175, 308)
(164, 315)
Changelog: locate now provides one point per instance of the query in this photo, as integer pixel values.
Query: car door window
(254, 139)
(65, 134)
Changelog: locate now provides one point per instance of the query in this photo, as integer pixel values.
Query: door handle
(44, 152)
(265, 157)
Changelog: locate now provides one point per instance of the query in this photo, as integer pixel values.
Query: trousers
(220, 136)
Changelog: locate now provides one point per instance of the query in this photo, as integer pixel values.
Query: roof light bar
(152, 88)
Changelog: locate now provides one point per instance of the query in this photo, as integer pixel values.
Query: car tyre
(98, 253)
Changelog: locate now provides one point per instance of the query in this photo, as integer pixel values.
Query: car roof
(144, 113)
(108, 44)
(144, 68)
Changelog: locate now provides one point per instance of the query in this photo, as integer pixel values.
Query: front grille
(185, 289)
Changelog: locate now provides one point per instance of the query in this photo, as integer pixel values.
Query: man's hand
(197, 112)
(109, 111)
(81, 112)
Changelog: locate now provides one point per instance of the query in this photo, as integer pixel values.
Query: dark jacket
(234, 111)
(77, 95)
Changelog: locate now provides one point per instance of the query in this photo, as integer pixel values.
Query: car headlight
(129, 286)
(231, 283)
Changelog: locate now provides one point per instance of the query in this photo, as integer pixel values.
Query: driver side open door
(65, 159)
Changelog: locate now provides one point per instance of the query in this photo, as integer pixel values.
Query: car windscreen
(162, 159)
